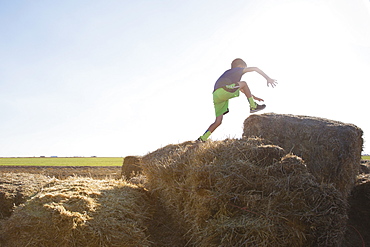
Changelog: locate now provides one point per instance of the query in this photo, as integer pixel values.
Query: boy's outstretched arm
(273, 82)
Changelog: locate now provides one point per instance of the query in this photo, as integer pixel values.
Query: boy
(228, 86)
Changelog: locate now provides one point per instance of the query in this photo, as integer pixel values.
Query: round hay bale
(131, 166)
(80, 212)
(331, 149)
(17, 188)
(239, 192)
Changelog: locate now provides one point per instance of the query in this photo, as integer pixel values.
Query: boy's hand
(256, 98)
(273, 82)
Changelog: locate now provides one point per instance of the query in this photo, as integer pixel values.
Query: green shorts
(221, 100)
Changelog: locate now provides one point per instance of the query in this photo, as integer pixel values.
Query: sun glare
(299, 29)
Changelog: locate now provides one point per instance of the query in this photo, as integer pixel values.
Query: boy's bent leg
(254, 107)
(245, 89)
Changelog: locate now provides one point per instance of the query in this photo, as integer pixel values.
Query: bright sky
(117, 78)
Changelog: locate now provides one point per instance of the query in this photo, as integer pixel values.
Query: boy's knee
(218, 121)
(242, 83)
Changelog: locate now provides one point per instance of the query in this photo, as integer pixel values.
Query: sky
(117, 78)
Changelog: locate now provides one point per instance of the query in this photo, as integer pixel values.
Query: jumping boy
(228, 86)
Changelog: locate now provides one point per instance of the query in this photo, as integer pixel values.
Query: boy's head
(238, 63)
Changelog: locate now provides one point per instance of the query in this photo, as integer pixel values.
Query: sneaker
(200, 139)
(257, 108)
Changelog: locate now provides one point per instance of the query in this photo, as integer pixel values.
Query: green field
(366, 157)
(59, 161)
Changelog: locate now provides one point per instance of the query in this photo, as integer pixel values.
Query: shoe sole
(256, 110)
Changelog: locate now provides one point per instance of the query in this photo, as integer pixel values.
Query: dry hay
(131, 166)
(80, 212)
(16, 188)
(245, 193)
(330, 149)
(358, 232)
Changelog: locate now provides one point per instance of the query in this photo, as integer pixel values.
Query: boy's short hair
(238, 61)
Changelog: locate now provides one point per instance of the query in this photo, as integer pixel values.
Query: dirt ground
(61, 172)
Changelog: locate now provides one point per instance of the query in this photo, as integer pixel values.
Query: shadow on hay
(80, 212)
(358, 232)
(17, 188)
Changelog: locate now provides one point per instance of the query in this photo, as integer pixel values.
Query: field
(73, 161)
(366, 157)
(94, 167)
(61, 161)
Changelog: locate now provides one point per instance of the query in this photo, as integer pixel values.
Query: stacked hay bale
(131, 166)
(358, 232)
(245, 193)
(16, 188)
(330, 149)
(80, 212)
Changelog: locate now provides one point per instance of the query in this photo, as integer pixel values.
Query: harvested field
(61, 161)
(62, 172)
